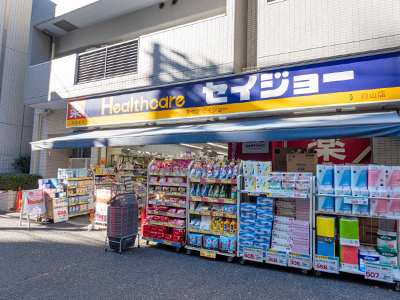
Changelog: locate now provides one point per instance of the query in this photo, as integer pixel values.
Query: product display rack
(333, 262)
(79, 190)
(208, 252)
(291, 259)
(155, 198)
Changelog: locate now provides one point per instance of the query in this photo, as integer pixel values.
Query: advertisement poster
(60, 212)
(103, 195)
(35, 202)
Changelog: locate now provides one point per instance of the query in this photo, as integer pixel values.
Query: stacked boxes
(256, 175)
(349, 243)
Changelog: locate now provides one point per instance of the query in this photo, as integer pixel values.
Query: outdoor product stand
(206, 252)
(281, 258)
(159, 202)
(330, 264)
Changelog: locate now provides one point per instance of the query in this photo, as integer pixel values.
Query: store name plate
(354, 200)
(297, 260)
(276, 257)
(327, 264)
(209, 254)
(253, 253)
(378, 272)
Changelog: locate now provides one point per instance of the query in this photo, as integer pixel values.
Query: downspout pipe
(53, 42)
(37, 137)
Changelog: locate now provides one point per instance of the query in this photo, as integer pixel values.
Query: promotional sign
(297, 260)
(354, 200)
(253, 253)
(103, 195)
(327, 264)
(276, 257)
(361, 80)
(60, 212)
(92, 217)
(255, 147)
(35, 202)
(209, 254)
(378, 272)
(337, 151)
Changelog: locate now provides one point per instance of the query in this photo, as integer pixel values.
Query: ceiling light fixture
(222, 153)
(191, 146)
(216, 145)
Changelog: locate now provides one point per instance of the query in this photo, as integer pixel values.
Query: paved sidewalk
(65, 261)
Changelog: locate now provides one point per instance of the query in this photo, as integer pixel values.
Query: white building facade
(84, 49)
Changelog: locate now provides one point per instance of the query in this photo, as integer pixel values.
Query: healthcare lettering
(109, 107)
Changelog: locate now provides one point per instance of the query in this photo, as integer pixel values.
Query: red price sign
(297, 260)
(379, 272)
(277, 257)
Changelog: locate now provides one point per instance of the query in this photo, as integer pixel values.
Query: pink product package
(376, 178)
(394, 205)
(392, 177)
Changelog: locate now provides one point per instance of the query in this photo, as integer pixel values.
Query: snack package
(153, 179)
(181, 211)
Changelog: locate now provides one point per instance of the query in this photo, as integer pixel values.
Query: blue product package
(264, 209)
(249, 215)
(248, 207)
(262, 239)
(223, 243)
(265, 231)
(246, 235)
(325, 249)
(245, 221)
(247, 228)
(265, 246)
(265, 201)
(265, 216)
(231, 244)
(245, 243)
(53, 182)
(264, 223)
(229, 208)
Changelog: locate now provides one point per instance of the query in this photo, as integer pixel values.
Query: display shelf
(79, 194)
(166, 224)
(74, 214)
(168, 184)
(160, 241)
(79, 186)
(212, 200)
(215, 251)
(213, 180)
(167, 174)
(74, 204)
(77, 179)
(212, 232)
(168, 193)
(110, 174)
(213, 213)
(276, 194)
(166, 214)
(357, 216)
(167, 204)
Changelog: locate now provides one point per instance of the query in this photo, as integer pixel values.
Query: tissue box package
(324, 176)
(376, 178)
(359, 177)
(342, 176)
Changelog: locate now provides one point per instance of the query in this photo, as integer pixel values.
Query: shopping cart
(122, 222)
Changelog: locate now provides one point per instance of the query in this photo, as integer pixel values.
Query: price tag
(254, 194)
(205, 213)
(276, 257)
(350, 242)
(218, 214)
(253, 253)
(194, 180)
(167, 243)
(297, 260)
(203, 231)
(210, 199)
(327, 264)
(209, 254)
(378, 272)
(210, 180)
(227, 201)
(176, 194)
(170, 214)
(174, 184)
(176, 205)
(195, 198)
(226, 181)
(174, 174)
(230, 215)
(276, 195)
(354, 200)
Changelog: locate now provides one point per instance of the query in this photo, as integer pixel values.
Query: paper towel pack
(324, 176)
(392, 178)
(378, 207)
(326, 203)
(342, 176)
(376, 178)
(340, 206)
(394, 205)
(359, 176)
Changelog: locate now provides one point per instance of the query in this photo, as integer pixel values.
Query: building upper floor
(109, 46)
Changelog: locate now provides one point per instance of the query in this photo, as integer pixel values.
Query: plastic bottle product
(222, 228)
(227, 225)
(233, 227)
(212, 224)
(219, 224)
(215, 225)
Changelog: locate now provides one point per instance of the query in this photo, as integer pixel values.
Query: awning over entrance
(366, 125)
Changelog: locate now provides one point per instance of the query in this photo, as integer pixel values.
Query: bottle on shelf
(227, 225)
(233, 227)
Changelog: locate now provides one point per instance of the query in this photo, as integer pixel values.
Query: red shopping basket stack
(122, 221)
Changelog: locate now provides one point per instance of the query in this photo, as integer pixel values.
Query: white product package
(342, 176)
(376, 178)
(250, 168)
(250, 183)
(324, 176)
(392, 178)
(264, 167)
(359, 177)
(386, 241)
(378, 207)
(360, 209)
(340, 205)
(326, 203)
(261, 184)
(394, 205)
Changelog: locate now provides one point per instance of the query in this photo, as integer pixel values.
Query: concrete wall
(16, 121)
(291, 31)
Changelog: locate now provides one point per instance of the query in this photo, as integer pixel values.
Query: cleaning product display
(79, 189)
(55, 199)
(212, 211)
(166, 202)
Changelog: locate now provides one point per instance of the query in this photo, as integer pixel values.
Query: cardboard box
(368, 228)
(280, 164)
(302, 162)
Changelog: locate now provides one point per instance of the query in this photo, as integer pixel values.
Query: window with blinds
(111, 61)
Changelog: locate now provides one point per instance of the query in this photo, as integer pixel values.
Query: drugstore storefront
(352, 98)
